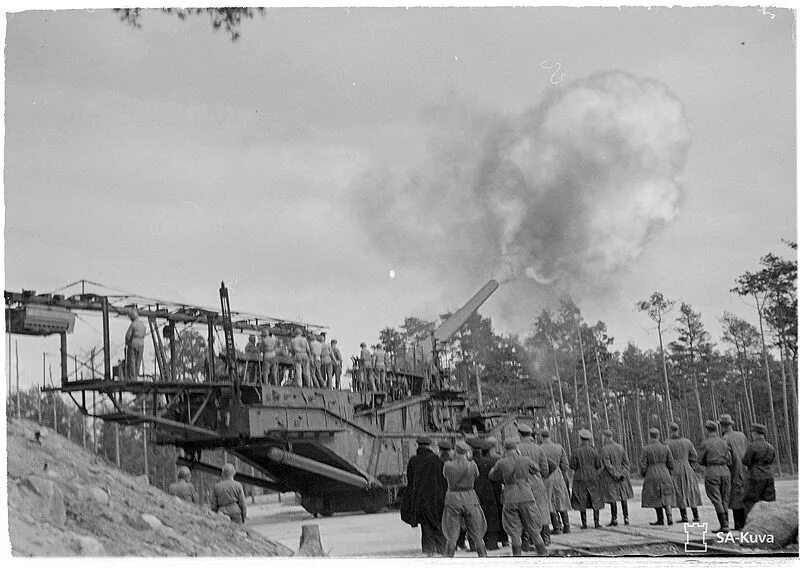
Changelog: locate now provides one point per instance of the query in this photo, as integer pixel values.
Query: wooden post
(94, 422)
(64, 359)
(116, 443)
(16, 354)
(478, 382)
(310, 543)
(106, 345)
(144, 439)
(44, 384)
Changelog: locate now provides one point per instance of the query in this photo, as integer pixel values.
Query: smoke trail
(568, 191)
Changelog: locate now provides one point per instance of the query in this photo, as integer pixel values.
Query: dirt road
(384, 534)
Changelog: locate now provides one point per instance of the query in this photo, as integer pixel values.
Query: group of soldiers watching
(522, 493)
(227, 497)
(317, 363)
(373, 372)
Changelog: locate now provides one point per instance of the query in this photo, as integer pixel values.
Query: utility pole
(144, 438)
(585, 380)
(44, 384)
(16, 353)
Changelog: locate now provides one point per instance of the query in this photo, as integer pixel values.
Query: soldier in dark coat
(426, 497)
(615, 477)
(716, 455)
(656, 465)
(758, 458)
(520, 514)
(492, 454)
(687, 490)
(739, 443)
(485, 490)
(586, 493)
(556, 484)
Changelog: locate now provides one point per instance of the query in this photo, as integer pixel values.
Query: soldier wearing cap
(615, 479)
(758, 458)
(493, 452)
(228, 496)
(556, 483)
(301, 352)
(183, 488)
(716, 455)
(739, 443)
(485, 490)
(585, 461)
(687, 490)
(529, 447)
(461, 503)
(338, 361)
(520, 514)
(269, 353)
(422, 501)
(656, 465)
(326, 362)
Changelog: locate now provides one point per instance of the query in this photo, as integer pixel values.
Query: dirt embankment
(65, 501)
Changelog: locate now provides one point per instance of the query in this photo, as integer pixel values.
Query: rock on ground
(80, 505)
(775, 518)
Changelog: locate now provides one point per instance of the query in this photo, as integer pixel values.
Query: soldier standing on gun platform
(269, 354)
(585, 460)
(379, 364)
(615, 477)
(739, 443)
(337, 360)
(366, 368)
(520, 514)
(716, 455)
(556, 484)
(134, 342)
(326, 361)
(300, 351)
(251, 357)
(687, 491)
(315, 348)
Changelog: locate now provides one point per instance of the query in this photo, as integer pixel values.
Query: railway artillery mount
(340, 450)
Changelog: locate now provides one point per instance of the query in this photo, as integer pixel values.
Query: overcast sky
(327, 147)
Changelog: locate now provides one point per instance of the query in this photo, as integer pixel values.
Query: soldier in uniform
(366, 368)
(251, 358)
(556, 484)
(338, 361)
(615, 477)
(315, 348)
(228, 496)
(585, 461)
(269, 354)
(491, 452)
(302, 369)
(425, 482)
(739, 443)
(528, 447)
(134, 343)
(183, 488)
(687, 491)
(758, 458)
(716, 455)
(520, 514)
(461, 504)
(326, 363)
(379, 364)
(656, 465)
(485, 491)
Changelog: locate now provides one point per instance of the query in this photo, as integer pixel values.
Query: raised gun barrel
(313, 466)
(449, 328)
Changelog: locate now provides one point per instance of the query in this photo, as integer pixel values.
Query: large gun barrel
(449, 328)
(312, 466)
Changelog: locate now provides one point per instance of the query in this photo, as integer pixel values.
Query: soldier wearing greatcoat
(586, 493)
(615, 479)
(423, 499)
(687, 490)
(656, 465)
(758, 458)
(716, 455)
(556, 484)
(739, 443)
(528, 447)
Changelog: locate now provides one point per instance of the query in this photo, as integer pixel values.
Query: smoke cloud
(569, 191)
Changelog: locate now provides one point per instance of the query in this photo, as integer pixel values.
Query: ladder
(230, 346)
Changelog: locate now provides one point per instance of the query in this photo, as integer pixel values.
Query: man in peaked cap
(687, 490)
(492, 452)
(528, 447)
(461, 505)
(520, 514)
(739, 443)
(134, 344)
(556, 484)
(615, 476)
(228, 496)
(656, 465)
(758, 458)
(716, 455)
(585, 461)
(445, 450)
(183, 488)
(422, 501)
(485, 491)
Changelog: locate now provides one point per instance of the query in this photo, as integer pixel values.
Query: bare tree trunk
(773, 422)
(561, 399)
(585, 382)
(786, 423)
(602, 388)
(664, 367)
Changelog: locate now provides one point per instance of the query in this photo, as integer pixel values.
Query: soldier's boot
(490, 540)
(541, 550)
(556, 522)
(526, 542)
(723, 522)
(596, 515)
(564, 521)
(668, 511)
(684, 518)
(583, 520)
(546, 535)
(659, 517)
(695, 515)
(739, 516)
(613, 522)
(516, 550)
(624, 504)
